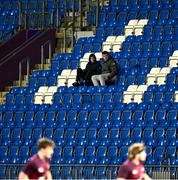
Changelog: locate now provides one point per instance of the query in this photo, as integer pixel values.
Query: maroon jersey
(131, 171)
(36, 168)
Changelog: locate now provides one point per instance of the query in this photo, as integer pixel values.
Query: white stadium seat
(71, 80)
(138, 96)
(120, 39)
(62, 80)
(74, 72)
(38, 98)
(142, 88)
(165, 70)
(132, 88)
(127, 97)
(151, 79)
(52, 89)
(83, 64)
(110, 39)
(98, 55)
(48, 99)
(107, 47)
(155, 70)
(66, 72)
(176, 96)
(161, 79)
(43, 89)
(86, 56)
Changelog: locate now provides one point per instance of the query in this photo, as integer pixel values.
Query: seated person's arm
(99, 69)
(114, 70)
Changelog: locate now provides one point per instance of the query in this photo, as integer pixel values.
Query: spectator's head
(137, 151)
(46, 148)
(105, 55)
(92, 58)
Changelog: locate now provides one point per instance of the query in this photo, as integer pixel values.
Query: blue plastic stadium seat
(8, 119)
(90, 153)
(9, 98)
(59, 136)
(123, 153)
(18, 119)
(91, 136)
(68, 155)
(159, 153)
(81, 136)
(79, 154)
(57, 154)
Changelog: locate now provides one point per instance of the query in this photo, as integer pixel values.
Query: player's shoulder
(34, 157)
(126, 164)
(33, 160)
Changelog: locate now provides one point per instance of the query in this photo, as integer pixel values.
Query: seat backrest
(112, 152)
(90, 151)
(79, 151)
(91, 133)
(101, 151)
(114, 133)
(103, 133)
(59, 133)
(70, 133)
(80, 133)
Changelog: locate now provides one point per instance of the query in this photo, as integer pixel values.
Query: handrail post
(20, 13)
(73, 22)
(42, 57)
(52, 19)
(97, 12)
(57, 15)
(20, 73)
(28, 68)
(65, 40)
(25, 19)
(50, 49)
(80, 14)
(65, 24)
(43, 14)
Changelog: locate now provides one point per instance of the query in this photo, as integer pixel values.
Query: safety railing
(90, 171)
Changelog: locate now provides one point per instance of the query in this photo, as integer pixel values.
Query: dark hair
(105, 53)
(44, 142)
(92, 55)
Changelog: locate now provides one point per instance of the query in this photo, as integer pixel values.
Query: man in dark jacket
(109, 71)
(93, 67)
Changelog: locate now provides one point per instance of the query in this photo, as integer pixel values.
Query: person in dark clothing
(109, 71)
(93, 67)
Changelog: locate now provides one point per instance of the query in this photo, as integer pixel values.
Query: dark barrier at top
(16, 41)
(31, 49)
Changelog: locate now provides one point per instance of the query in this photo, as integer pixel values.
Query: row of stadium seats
(116, 16)
(95, 98)
(136, 2)
(109, 106)
(90, 154)
(117, 118)
(87, 134)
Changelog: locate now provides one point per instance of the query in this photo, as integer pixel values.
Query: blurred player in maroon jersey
(38, 165)
(133, 168)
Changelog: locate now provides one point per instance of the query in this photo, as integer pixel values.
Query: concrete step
(39, 67)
